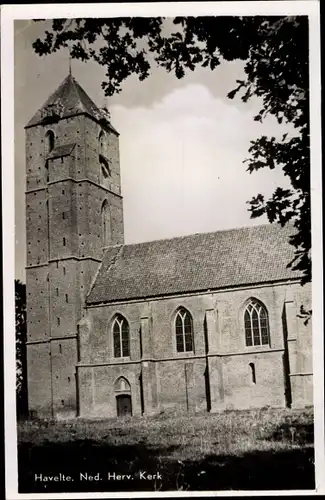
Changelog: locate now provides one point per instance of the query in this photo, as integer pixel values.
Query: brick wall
(64, 248)
(218, 374)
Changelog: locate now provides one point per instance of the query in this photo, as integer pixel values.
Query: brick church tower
(73, 211)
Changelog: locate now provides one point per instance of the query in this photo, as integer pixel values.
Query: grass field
(237, 450)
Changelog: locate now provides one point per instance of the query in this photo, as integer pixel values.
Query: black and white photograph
(163, 190)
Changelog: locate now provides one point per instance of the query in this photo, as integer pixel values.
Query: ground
(238, 450)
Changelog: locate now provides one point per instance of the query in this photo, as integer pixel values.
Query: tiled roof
(68, 100)
(198, 262)
(59, 151)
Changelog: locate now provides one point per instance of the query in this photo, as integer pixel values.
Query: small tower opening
(101, 143)
(105, 172)
(106, 224)
(49, 141)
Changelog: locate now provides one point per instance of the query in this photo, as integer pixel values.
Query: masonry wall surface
(217, 374)
(64, 197)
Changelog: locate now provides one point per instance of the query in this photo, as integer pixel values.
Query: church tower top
(69, 99)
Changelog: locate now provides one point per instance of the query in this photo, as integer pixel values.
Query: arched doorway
(123, 405)
(123, 397)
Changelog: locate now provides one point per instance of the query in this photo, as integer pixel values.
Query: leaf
(232, 93)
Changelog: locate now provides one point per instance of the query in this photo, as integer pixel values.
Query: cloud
(182, 143)
(182, 164)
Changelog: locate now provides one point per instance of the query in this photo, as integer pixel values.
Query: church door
(124, 406)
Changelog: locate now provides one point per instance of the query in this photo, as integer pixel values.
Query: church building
(204, 322)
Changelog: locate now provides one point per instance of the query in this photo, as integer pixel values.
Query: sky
(182, 143)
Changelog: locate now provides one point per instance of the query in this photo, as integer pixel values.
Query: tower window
(101, 143)
(106, 224)
(57, 292)
(64, 271)
(47, 170)
(49, 141)
(184, 331)
(63, 215)
(102, 156)
(256, 324)
(64, 241)
(66, 298)
(104, 167)
(58, 321)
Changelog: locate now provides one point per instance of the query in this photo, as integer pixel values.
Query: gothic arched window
(256, 324)
(49, 141)
(184, 330)
(106, 224)
(121, 337)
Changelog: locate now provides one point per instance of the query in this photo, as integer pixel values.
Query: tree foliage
(275, 51)
(21, 338)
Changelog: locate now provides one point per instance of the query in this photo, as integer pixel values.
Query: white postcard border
(13, 12)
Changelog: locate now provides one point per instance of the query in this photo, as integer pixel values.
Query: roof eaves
(85, 113)
(192, 292)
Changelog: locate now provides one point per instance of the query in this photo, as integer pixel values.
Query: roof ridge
(217, 231)
(113, 259)
(56, 91)
(78, 87)
(114, 246)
